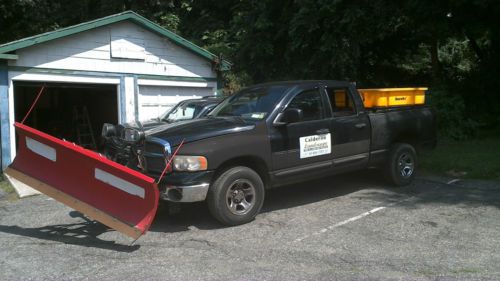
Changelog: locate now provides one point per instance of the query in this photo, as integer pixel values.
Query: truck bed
(408, 124)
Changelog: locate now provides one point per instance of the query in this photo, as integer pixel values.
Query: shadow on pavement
(196, 215)
(425, 191)
(190, 215)
(321, 189)
(81, 234)
(470, 194)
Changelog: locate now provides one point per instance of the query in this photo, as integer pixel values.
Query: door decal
(315, 145)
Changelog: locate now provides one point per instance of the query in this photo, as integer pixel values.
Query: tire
(236, 196)
(401, 165)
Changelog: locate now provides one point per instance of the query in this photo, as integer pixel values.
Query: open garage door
(155, 100)
(74, 112)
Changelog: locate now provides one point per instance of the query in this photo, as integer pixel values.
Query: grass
(477, 158)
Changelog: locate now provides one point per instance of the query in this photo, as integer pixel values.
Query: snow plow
(88, 182)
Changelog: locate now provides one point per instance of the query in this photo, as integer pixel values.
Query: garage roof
(129, 15)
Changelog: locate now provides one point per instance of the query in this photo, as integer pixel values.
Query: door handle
(360, 125)
(322, 131)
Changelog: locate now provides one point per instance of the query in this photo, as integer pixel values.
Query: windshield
(182, 111)
(251, 104)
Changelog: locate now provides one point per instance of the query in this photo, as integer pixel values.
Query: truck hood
(152, 123)
(198, 129)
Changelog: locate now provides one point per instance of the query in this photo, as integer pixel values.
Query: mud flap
(110, 193)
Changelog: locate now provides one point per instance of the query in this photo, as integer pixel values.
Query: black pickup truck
(279, 133)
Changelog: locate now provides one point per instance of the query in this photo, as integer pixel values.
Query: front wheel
(236, 196)
(402, 162)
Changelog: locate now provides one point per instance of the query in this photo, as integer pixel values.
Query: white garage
(120, 68)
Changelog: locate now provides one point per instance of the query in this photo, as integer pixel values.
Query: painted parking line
(453, 181)
(365, 214)
(340, 223)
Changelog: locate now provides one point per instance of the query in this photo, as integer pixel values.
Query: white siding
(155, 100)
(91, 51)
(129, 90)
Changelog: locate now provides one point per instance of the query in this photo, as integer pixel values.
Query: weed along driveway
(348, 227)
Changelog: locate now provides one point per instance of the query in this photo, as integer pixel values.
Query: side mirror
(293, 115)
(290, 115)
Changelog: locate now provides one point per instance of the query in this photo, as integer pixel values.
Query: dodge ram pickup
(279, 133)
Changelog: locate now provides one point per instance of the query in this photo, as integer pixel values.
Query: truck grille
(154, 147)
(154, 156)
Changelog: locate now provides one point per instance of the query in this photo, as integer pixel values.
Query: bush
(451, 115)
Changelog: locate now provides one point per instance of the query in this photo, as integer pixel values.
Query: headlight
(132, 135)
(190, 163)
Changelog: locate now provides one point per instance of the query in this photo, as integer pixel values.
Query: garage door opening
(60, 111)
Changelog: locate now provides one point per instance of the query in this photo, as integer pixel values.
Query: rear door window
(341, 102)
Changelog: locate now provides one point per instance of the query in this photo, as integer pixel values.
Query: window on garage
(60, 109)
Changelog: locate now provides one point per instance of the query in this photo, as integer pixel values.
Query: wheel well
(252, 162)
(409, 139)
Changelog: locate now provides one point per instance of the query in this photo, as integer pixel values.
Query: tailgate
(110, 193)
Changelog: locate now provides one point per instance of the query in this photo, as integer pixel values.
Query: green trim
(129, 15)
(9, 56)
(109, 74)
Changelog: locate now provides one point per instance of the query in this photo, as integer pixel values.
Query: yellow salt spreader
(392, 97)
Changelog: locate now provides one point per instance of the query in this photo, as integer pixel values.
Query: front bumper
(186, 186)
(187, 193)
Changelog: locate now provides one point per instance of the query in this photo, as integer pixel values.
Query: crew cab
(276, 134)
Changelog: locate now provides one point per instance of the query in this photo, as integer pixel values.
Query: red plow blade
(110, 193)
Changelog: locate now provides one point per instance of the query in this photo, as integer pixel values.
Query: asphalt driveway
(347, 227)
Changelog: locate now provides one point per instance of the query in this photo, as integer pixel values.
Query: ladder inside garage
(83, 126)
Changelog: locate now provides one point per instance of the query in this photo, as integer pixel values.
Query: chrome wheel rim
(406, 165)
(240, 197)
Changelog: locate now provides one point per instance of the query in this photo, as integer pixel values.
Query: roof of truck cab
(302, 83)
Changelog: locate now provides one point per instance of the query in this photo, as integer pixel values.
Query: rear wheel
(236, 196)
(401, 165)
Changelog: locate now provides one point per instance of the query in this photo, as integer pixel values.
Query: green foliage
(234, 83)
(457, 60)
(170, 21)
(452, 120)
